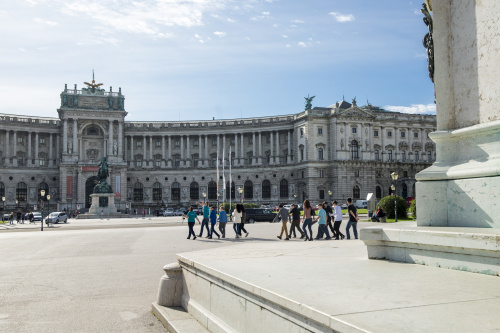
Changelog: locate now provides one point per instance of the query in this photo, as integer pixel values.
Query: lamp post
(204, 196)
(3, 210)
(394, 177)
(48, 207)
(240, 191)
(42, 194)
(295, 198)
(330, 195)
(218, 194)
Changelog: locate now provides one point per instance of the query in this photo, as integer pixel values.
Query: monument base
(96, 211)
(474, 250)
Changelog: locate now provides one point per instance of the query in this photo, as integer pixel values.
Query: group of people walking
(20, 217)
(210, 216)
(327, 218)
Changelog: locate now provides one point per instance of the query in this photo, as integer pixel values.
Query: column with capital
(205, 160)
(200, 158)
(188, 154)
(14, 148)
(236, 156)
(65, 137)
(224, 151)
(242, 149)
(144, 151)
(169, 163)
(272, 148)
(260, 149)
(131, 157)
(183, 157)
(30, 158)
(37, 142)
(289, 154)
(110, 138)
(75, 136)
(254, 153)
(120, 138)
(163, 151)
(51, 158)
(151, 159)
(7, 147)
(277, 147)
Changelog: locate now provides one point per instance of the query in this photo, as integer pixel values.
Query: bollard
(170, 290)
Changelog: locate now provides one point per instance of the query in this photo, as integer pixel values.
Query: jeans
(222, 228)
(354, 228)
(336, 231)
(324, 230)
(212, 230)
(204, 223)
(191, 229)
(242, 228)
(236, 228)
(308, 224)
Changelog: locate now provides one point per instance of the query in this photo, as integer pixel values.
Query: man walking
(353, 219)
(295, 212)
(206, 215)
(213, 222)
(337, 216)
(283, 215)
(322, 221)
(222, 221)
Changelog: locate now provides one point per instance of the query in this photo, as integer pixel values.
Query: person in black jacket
(295, 212)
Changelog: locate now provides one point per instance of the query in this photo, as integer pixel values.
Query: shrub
(387, 204)
(413, 208)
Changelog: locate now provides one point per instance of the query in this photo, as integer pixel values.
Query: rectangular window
(403, 134)
(375, 133)
(157, 163)
(195, 162)
(356, 173)
(42, 141)
(415, 134)
(322, 195)
(177, 143)
(177, 163)
(390, 155)
(158, 143)
(320, 154)
(196, 143)
(138, 163)
(403, 156)
(302, 174)
(429, 156)
(20, 139)
(416, 156)
(20, 161)
(214, 142)
(405, 174)
(250, 141)
(354, 130)
(376, 155)
(301, 154)
(233, 142)
(321, 173)
(320, 130)
(389, 134)
(301, 132)
(139, 143)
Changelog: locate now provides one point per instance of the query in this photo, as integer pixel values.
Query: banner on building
(69, 187)
(117, 187)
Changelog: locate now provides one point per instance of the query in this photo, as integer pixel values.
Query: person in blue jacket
(213, 222)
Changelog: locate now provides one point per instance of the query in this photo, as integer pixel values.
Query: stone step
(177, 320)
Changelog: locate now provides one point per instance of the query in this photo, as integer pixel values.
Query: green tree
(387, 204)
(413, 208)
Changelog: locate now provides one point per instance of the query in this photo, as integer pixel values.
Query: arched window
(320, 154)
(138, 192)
(43, 186)
(248, 190)
(22, 192)
(376, 155)
(157, 192)
(92, 131)
(2, 190)
(378, 192)
(194, 191)
(355, 192)
(354, 150)
(283, 188)
(232, 189)
(176, 191)
(266, 189)
(212, 190)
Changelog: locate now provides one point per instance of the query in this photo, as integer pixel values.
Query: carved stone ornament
(428, 41)
(92, 154)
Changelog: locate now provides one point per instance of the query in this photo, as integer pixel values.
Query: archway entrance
(89, 189)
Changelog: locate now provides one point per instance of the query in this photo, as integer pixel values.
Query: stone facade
(322, 154)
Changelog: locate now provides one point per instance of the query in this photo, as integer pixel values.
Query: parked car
(37, 216)
(287, 206)
(181, 211)
(344, 206)
(57, 217)
(259, 215)
(6, 216)
(361, 204)
(266, 207)
(169, 212)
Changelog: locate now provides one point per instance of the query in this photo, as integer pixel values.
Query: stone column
(182, 148)
(277, 160)
(131, 158)
(30, 158)
(223, 147)
(151, 150)
(254, 153)
(205, 161)
(272, 147)
(260, 148)
(242, 150)
(163, 151)
(200, 158)
(120, 136)
(289, 152)
(37, 143)
(236, 156)
(382, 149)
(58, 139)
(51, 158)
(65, 137)
(188, 153)
(7, 145)
(75, 137)
(169, 163)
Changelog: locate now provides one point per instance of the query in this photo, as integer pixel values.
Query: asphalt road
(91, 280)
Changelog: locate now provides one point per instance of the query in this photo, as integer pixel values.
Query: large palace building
(324, 153)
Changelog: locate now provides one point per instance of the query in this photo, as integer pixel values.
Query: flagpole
(217, 174)
(223, 175)
(230, 180)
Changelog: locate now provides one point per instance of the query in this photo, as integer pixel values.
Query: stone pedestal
(95, 209)
(460, 189)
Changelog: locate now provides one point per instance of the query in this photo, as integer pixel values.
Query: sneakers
(246, 234)
(279, 237)
(342, 237)
(237, 236)
(287, 238)
(190, 237)
(303, 236)
(209, 237)
(218, 236)
(306, 239)
(194, 237)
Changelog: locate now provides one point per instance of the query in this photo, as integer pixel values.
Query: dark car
(259, 215)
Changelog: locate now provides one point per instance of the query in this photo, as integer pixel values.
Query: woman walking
(191, 216)
(307, 220)
(222, 221)
(237, 214)
(243, 220)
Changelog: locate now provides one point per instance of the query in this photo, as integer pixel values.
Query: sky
(215, 59)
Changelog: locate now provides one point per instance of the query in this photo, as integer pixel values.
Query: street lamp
(3, 210)
(330, 194)
(240, 191)
(42, 194)
(204, 196)
(295, 198)
(394, 177)
(48, 209)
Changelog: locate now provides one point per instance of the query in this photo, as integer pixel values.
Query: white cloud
(22, 49)
(297, 21)
(413, 109)
(220, 34)
(197, 36)
(288, 45)
(342, 17)
(301, 44)
(230, 20)
(51, 23)
(284, 36)
(266, 13)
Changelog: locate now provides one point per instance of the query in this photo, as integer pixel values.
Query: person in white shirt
(337, 213)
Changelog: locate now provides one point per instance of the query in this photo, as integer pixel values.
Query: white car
(57, 217)
(169, 212)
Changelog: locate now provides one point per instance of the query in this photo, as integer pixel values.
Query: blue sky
(198, 59)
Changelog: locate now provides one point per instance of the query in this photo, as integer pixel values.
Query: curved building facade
(321, 154)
